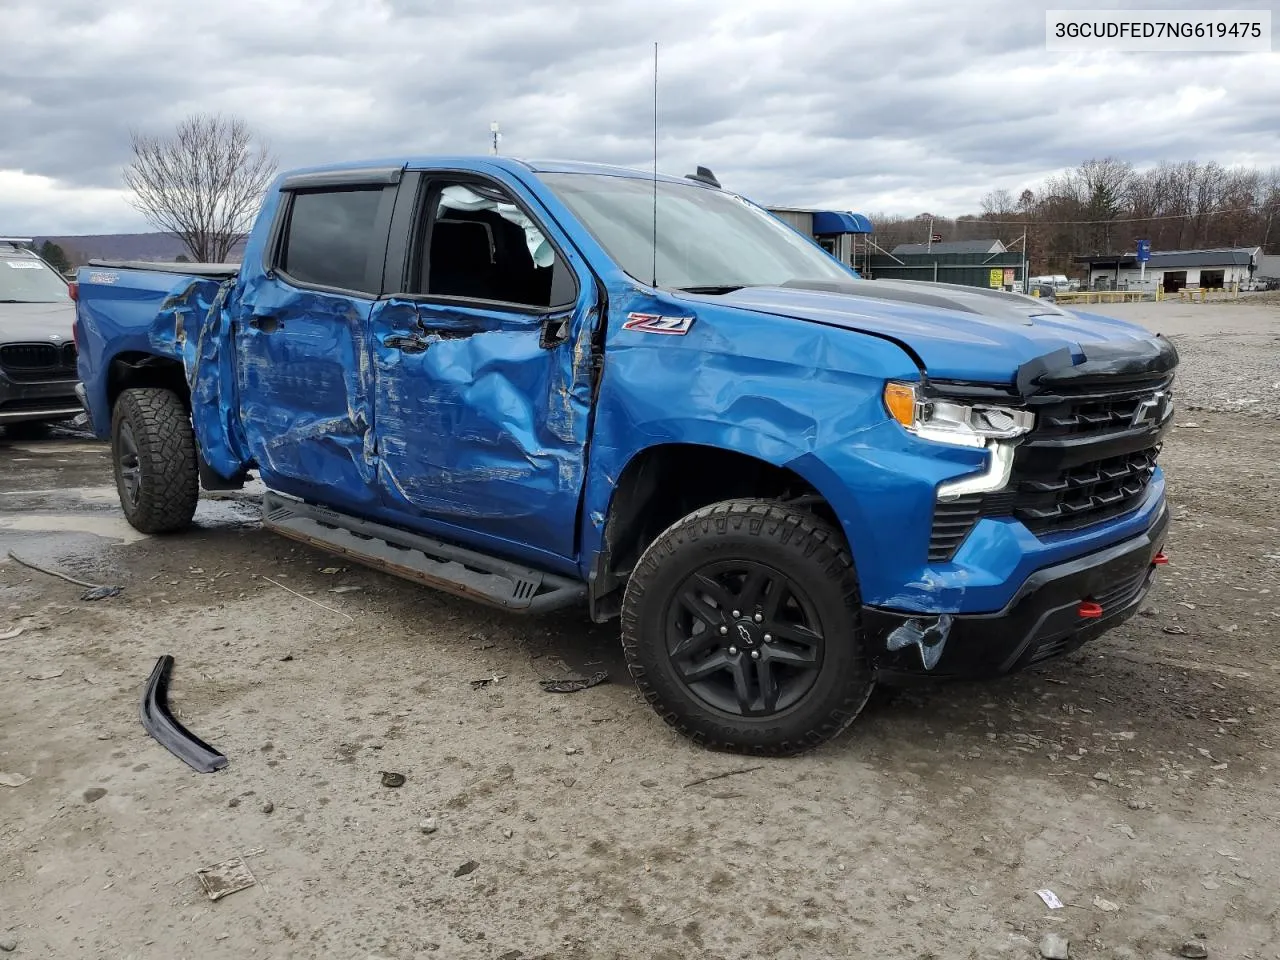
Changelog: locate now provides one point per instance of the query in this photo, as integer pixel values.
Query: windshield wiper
(727, 288)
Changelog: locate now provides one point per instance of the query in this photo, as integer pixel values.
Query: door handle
(407, 344)
(265, 323)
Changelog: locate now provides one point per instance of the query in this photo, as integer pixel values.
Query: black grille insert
(38, 361)
(1091, 414)
(1048, 503)
(1083, 495)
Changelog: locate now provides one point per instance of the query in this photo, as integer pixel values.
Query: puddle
(97, 494)
(112, 528)
(100, 520)
(228, 512)
(58, 448)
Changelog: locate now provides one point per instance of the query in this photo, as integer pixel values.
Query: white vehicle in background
(1058, 281)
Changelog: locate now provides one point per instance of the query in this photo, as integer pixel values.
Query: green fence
(968, 269)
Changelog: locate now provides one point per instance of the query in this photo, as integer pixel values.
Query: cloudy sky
(873, 106)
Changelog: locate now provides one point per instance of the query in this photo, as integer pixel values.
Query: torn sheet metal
(193, 325)
(928, 636)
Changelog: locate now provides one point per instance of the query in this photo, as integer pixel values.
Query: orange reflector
(1089, 610)
(1160, 559)
(900, 399)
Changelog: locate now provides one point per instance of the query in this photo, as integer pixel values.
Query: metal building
(1174, 270)
(837, 231)
(973, 263)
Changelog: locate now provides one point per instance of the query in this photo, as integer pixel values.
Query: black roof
(1172, 259)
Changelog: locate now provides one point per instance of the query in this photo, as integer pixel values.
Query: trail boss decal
(653, 323)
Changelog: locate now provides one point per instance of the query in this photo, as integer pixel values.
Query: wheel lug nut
(723, 631)
(737, 613)
(755, 654)
(758, 617)
(733, 651)
(768, 638)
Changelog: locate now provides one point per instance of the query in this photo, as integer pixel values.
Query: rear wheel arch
(136, 368)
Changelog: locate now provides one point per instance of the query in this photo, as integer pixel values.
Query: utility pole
(493, 147)
(1026, 264)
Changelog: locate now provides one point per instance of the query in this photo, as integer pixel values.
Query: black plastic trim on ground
(158, 721)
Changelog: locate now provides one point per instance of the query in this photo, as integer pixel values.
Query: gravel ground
(1228, 350)
(1136, 778)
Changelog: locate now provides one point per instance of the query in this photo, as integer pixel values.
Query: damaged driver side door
(483, 369)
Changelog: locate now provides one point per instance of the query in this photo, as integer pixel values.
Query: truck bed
(223, 271)
(131, 310)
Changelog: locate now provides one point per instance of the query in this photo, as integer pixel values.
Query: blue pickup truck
(550, 384)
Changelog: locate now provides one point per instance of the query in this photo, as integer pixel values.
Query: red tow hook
(1159, 560)
(1088, 610)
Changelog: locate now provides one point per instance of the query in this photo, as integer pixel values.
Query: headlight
(950, 421)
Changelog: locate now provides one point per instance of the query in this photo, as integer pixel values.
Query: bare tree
(998, 203)
(201, 184)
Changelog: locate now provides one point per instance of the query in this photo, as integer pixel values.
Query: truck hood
(21, 322)
(958, 333)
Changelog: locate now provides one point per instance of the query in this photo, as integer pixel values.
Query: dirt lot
(1137, 778)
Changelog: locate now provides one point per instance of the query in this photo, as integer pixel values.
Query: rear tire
(154, 452)
(741, 628)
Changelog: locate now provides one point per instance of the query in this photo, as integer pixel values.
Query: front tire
(741, 628)
(154, 451)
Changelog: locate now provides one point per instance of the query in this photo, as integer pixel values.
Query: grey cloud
(927, 102)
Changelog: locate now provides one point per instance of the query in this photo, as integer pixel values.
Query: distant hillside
(124, 246)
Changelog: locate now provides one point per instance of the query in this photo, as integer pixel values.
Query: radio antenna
(655, 163)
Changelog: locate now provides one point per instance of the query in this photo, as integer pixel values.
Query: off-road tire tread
(166, 455)
(786, 525)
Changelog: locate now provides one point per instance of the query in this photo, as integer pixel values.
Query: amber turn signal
(900, 400)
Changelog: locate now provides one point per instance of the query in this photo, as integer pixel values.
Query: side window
(478, 244)
(330, 236)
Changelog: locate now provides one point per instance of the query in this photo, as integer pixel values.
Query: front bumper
(1042, 620)
(22, 401)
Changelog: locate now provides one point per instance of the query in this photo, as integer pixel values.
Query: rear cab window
(335, 239)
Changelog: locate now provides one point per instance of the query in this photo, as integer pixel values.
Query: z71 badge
(653, 323)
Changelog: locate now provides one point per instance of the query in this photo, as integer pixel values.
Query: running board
(456, 570)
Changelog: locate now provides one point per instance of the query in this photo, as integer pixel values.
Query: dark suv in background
(37, 351)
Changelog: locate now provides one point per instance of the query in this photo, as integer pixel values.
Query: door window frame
(416, 211)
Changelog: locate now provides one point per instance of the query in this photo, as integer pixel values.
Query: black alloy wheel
(744, 637)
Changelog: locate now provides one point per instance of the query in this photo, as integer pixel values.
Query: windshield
(30, 281)
(706, 238)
